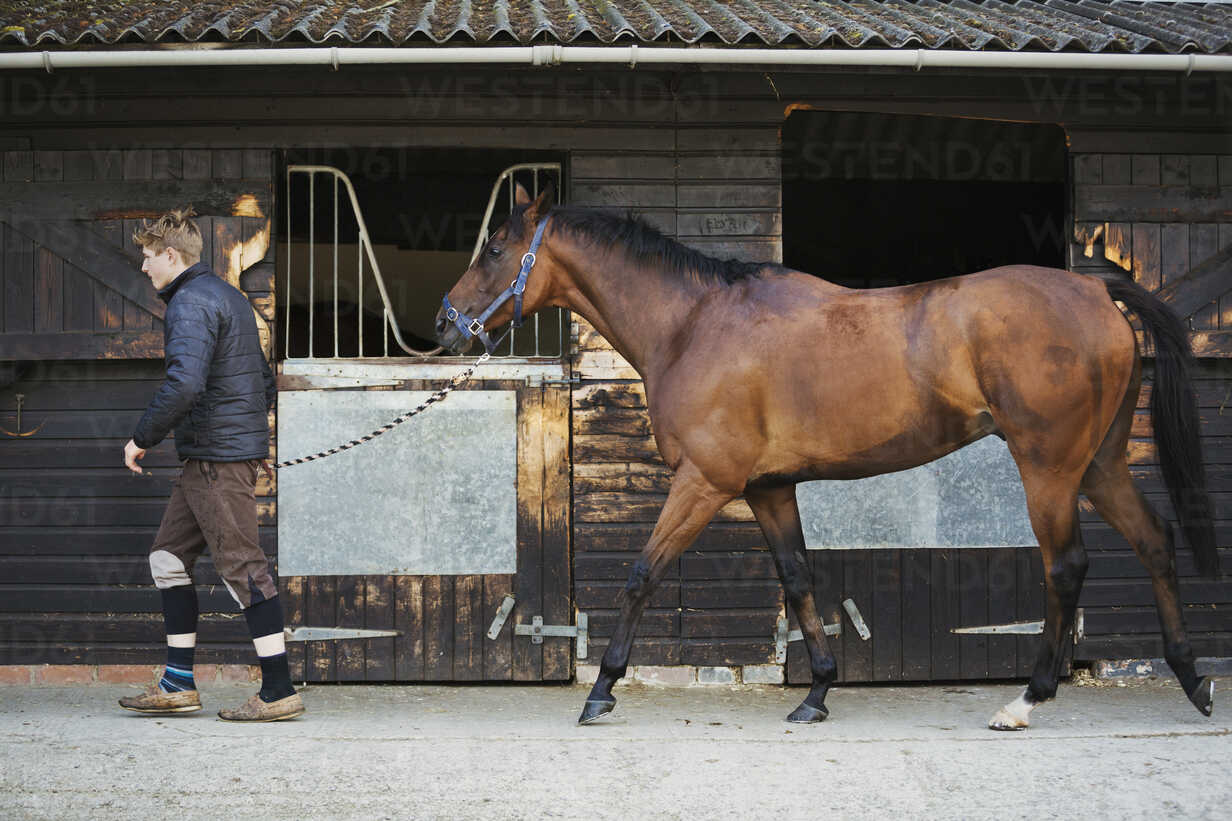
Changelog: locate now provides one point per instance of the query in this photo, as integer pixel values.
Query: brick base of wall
(61, 674)
(687, 676)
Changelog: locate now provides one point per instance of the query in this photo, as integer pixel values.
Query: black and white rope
(454, 383)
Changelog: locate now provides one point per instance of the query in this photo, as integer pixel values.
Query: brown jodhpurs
(212, 505)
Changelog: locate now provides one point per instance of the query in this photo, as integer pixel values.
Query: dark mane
(646, 246)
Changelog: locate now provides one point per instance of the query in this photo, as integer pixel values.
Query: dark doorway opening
(872, 200)
(423, 209)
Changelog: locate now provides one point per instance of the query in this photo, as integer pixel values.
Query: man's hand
(131, 454)
(268, 468)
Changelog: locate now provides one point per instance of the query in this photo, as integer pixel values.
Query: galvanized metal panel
(435, 495)
(970, 498)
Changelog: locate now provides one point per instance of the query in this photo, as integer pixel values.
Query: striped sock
(265, 626)
(178, 675)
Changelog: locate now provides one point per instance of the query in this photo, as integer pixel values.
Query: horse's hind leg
(779, 517)
(1111, 489)
(691, 504)
(1052, 502)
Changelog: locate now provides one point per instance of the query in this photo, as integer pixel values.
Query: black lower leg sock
(265, 619)
(180, 609)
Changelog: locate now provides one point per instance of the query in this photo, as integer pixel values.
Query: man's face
(162, 268)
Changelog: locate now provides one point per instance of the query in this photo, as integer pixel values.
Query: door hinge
(334, 633)
(782, 635)
(1023, 628)
(537, 630)
(502, 614)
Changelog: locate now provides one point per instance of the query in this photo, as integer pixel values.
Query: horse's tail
(1174, 415)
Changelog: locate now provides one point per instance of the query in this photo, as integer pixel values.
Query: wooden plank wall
(1160, 215)
(76, 526)
(1121, 621)
(50, 302)
(714, 186)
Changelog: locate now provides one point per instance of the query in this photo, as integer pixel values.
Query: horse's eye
(495, 251)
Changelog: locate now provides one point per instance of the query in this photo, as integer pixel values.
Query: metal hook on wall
(19, 434)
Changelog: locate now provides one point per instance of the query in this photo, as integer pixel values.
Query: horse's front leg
(779, 517)
(691, 504)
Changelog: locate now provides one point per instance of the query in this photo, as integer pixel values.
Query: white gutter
(631, 56)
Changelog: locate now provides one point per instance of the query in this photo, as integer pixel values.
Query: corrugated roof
(1022, 25)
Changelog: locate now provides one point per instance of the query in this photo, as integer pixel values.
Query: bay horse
(759, 377)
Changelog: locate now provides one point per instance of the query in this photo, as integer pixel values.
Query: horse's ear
(520, 197)
(542, 204)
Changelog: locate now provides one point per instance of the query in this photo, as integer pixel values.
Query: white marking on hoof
(1013, 716)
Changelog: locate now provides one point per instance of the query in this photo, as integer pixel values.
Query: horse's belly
(857, 452)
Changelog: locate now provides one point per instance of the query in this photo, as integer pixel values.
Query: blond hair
(172, 230)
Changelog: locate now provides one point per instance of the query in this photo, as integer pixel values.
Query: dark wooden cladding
(1165, 220)
(76, 528)
(72, 285)
(1118, 601)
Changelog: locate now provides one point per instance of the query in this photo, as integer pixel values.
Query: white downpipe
(630, 56)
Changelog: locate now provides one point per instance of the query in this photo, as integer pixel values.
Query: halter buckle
(452, 314)
(518, 286)
(528, 260)
(476, 327)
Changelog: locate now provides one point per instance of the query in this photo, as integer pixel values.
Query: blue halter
(471, 328)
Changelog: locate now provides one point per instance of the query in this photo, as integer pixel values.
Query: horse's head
(489, 291)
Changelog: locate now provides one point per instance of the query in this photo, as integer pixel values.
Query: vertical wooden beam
(1146, 255)
(944, 606)
(1029, 601)
(322, 612)
(1002, 608)
(528, 657)
(18, 282)
(858, 586)
(379, 615)
(48, 293)
(467, 632)
(498, 652)
(291, 589)
(557, 559)
(349, 653)
(828, 593)
(973, 611)
(917, 617)
(78, 300)
(131, 316)
(438, 607)
(887, 604)
(409, 622)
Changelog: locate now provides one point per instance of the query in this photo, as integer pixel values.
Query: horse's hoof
(594, 710)
(1203, 696)
(808, 714)
(1005, 720)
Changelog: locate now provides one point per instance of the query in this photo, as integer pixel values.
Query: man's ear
(542, 204)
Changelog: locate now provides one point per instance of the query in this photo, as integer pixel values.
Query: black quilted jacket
(219, 387)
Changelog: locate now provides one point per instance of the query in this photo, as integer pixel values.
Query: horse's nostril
(440, 325)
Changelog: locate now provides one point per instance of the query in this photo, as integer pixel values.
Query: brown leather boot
(155, 701)
(254, 709)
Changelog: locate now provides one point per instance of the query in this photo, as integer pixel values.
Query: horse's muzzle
(448, 336)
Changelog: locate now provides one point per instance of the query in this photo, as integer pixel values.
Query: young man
(216, 397)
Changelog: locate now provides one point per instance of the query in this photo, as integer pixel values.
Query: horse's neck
(638, 310)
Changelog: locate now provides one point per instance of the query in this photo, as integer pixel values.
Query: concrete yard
(1137, 750)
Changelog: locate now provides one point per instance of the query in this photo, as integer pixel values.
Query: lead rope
(454, 383)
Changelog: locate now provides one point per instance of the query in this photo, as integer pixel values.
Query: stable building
(347, 163)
